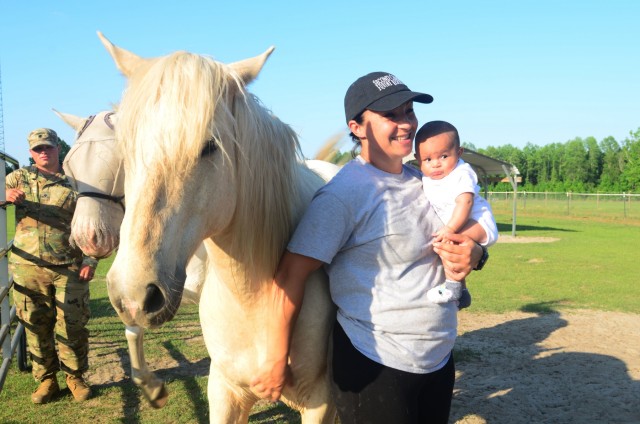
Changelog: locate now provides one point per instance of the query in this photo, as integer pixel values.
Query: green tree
(631, 153)
(573, 167)
(469, 145)
(549, 158)
(530, 174)
(612, 165)
(594, 162)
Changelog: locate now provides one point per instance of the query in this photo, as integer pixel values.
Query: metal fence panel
(618, 206)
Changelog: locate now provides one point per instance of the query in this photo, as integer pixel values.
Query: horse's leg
(312, 398)
(152, 387)
(226, 405)
(319, 407)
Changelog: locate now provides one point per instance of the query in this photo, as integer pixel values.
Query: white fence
(619, 206)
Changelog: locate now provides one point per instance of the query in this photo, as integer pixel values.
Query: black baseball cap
(380, 92)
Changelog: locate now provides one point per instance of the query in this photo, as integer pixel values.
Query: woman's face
(388, 135)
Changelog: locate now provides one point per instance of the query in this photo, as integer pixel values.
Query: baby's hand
(441, 234)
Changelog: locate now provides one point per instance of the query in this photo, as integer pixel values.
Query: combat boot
(79, 388)
(45, 391)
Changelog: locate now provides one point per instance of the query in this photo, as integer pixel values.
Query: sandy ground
(568, 367)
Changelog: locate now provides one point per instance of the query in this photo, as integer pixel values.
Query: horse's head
(200, 157)
(94, 166)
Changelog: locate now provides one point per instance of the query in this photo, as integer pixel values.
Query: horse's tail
(331, 149)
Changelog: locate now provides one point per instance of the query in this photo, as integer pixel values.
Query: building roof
(487, 166)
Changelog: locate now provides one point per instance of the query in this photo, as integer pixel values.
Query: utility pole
(1, 116)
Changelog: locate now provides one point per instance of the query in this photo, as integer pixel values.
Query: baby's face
(438, 155)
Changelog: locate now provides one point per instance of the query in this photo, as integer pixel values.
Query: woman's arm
(286, 294)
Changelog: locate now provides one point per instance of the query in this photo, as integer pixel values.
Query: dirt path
(568, 367)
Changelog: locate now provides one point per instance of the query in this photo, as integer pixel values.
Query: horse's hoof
(161, 400)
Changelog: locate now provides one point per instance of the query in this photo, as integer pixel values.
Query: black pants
(367, 392)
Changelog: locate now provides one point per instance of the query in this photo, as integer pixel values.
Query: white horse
(207, 162)
(95, 168)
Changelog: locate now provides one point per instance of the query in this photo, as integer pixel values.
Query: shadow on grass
(276, 413)
(188, 374)
(506, 374)
(543, 307)
(101, 308)
(523, 228)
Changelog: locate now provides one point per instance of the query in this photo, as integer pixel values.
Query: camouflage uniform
(49, 296)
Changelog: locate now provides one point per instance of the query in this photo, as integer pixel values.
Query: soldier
(51, 277)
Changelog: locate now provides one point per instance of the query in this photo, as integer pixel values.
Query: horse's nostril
(154, 300)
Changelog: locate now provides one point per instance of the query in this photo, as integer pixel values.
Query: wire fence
(619, 206)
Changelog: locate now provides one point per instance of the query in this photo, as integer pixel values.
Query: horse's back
(326, 170)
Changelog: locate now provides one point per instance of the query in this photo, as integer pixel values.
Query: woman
(371, 228)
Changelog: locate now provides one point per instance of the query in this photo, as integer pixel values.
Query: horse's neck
(237, 277)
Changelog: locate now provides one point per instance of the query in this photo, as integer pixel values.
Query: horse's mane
(197, 100)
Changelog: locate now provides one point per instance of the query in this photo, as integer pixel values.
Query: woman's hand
(271, 379)
(459, 254)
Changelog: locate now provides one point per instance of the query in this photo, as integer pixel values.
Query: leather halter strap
(95, 194)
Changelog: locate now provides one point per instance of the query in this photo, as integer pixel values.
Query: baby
(451, 186)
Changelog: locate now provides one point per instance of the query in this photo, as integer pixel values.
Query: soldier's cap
(41, 137)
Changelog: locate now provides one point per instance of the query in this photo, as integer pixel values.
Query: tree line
(578, 165)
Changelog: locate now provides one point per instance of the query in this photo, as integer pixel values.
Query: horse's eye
(209, 148)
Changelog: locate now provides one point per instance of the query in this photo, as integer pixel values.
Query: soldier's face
(45, 156)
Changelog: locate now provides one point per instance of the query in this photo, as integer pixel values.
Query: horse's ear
(73, 121)
(248, 69)
(126, 61)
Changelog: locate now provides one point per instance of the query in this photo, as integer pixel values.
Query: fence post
(545, 199)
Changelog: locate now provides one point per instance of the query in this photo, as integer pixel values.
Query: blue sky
(503, 72)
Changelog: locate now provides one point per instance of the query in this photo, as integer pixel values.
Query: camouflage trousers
(53, 305)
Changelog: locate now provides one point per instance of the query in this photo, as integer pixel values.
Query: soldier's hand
(15, 195)
(86, 273)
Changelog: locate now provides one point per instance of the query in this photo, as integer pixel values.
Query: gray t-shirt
(373, 231)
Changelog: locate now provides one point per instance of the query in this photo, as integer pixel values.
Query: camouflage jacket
(43, 219)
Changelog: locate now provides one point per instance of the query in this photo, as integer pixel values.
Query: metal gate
(15, 343)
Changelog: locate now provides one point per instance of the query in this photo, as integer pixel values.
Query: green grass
(591, 265)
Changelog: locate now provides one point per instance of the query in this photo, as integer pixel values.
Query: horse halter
(95, 194)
